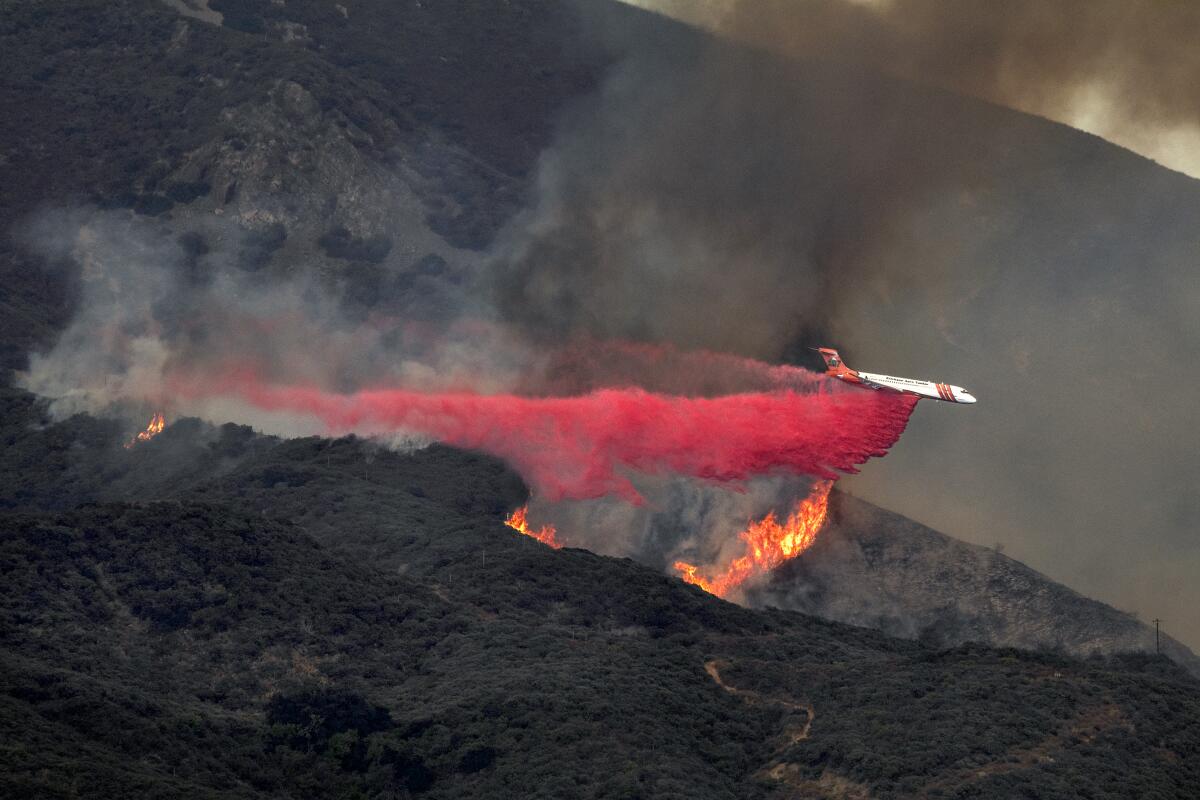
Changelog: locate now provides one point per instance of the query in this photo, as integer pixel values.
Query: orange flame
(157, 423)
(768, 544)
(518, 521)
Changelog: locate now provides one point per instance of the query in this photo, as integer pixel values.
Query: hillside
(216, 649)
(386, 135)
(383, 151)
(220, 613)
(875, 568)
(869, 567)
(384, 166)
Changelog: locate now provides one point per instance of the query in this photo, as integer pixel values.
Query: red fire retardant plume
(581, 447)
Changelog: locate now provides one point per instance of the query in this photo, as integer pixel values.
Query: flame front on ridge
(518, 521)
(157, 423)
(768, 544)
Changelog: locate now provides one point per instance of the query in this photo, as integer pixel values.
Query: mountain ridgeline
(875, 568)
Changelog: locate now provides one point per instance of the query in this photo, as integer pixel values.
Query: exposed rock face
(875, 568)
(288, 170)
(390, 133)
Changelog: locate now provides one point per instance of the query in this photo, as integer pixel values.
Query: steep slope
(384, 148)
(379, 149)
(875, 568)
(188, 648)
(868, 567)
(362, 142)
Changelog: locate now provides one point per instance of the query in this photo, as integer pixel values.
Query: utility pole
(1157, 651)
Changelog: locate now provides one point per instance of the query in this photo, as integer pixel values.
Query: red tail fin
(833, 362)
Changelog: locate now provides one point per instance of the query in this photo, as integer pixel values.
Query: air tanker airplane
(836, 368)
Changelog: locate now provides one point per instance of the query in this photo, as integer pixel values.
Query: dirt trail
(829, 784)
(1086, 725)
(196, 9)
(713, 668)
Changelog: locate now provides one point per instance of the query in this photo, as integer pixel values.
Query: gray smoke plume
(712, 195)
(152, 299)
(153, 302)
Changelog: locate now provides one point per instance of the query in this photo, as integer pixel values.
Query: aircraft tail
(833, 362)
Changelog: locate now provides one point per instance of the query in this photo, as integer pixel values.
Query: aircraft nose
(965, 397)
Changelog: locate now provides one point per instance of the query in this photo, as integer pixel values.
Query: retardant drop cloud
(582, 447)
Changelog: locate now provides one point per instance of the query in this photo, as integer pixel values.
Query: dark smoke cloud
(627, 237)
(711, 195)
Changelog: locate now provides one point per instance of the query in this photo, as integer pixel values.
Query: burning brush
(157, 423)
(518, 521)
(587, 444)
(769, 543)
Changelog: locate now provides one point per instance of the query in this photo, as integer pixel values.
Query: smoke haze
(1125, 71)
(713, 196)
(157, 328)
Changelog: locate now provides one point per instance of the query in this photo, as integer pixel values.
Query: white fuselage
(935, 391)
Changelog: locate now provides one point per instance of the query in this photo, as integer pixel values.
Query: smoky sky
(713, 195)
(1007, 52)
(1127, 71)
